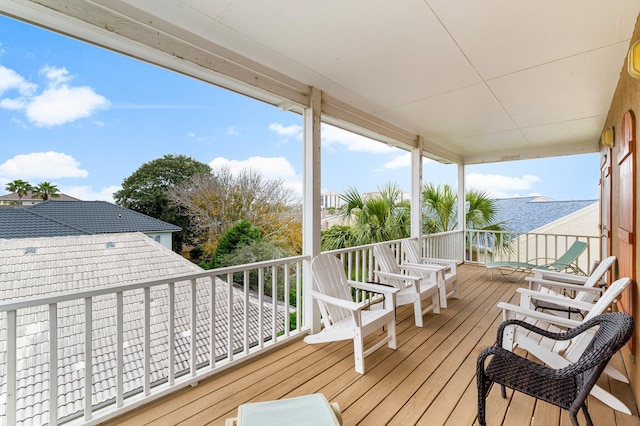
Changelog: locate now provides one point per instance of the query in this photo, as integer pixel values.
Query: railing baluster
(53, 364)
(194, 328)
(119, 349)
(147, 341)
(212, 322)
(274, 302)
(285, 298)
(261, 307)
(171, 329)
(245, 277)
(298, 295)
(230, 325)
(88, 352)
(12, 365)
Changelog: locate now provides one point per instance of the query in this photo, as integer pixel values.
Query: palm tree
(440, 205)
(372, 219)
(440, 214)
(46, 190)
(20, 187)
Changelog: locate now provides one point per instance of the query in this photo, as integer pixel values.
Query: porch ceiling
(479, 81)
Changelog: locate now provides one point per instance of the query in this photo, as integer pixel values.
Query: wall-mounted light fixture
(607, 137)
(633, 60)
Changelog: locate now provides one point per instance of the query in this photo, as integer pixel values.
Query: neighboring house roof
(525, 214)
(44, 266)
(54, 218)
(22, 223)
(99, 217)
(30, 196)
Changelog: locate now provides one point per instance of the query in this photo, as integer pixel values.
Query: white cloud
(269, 167)
(502, 186)
(42, 165)
(333, 136)
(11, 80)
(56, 76)
(64, 104)
(234, 130)
(86, 193)
(403, 160)
(292, 130)
(58, 104)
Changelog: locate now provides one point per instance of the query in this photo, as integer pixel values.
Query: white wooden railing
(150, 351)
(140, 337)
(492, 246)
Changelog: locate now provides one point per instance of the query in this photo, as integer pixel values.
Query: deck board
(429, 379)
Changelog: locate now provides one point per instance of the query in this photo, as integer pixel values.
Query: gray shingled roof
(20, 222)
(528, 213)
(42, 266)
(98, 217)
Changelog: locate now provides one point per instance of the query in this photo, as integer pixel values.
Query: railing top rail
(483, 231)
(101, 291)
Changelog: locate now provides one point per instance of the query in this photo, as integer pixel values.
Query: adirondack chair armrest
(374, 288)
(512, 311)
(558, 300)
(444, 262)
(398, 276)
(564, 286)
(544, 274)
(346, 304)
(416, 280)
(422, 267)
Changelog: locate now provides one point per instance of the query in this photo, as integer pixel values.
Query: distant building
(404, 196)
(29, 199)
(54, 218)
(330, 200)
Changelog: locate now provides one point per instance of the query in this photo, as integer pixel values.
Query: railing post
(311, 203)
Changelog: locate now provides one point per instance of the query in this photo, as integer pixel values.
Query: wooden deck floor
(428, 380)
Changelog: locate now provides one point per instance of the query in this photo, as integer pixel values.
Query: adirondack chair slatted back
(594, 279)
(608, 297)
(411, 250)
(330, 278)
(579, 343)
(569, 257)
(386, 262)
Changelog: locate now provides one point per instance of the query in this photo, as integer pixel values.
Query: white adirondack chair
(449, 277)
(344, 319)
(584, 289)
(413, 289)
(561, 354)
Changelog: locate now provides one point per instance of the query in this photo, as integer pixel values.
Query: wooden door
(605, 207)
(626, 223)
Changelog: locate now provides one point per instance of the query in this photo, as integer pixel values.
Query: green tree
(217, 201)
(20, 187)
(46, 190)
(381, 217)
(145, 191)
(242, 233)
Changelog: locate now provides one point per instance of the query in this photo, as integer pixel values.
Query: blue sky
(85, 118)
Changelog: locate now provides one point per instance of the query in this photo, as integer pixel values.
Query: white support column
(462, 202)
(311, 202)
(416, 190)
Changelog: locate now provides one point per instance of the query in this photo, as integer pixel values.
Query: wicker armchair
(566, 387)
